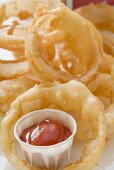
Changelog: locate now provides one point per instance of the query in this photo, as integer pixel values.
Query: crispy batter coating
(102, 16)
(10, 90)
(83, 40)
(72, 97)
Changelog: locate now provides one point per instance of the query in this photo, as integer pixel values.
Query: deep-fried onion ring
(10, 90)
(17, 8)
(102, 16)
(11, 43)
(103, 87)
(13, 68)
(72, 97)
(85, 42)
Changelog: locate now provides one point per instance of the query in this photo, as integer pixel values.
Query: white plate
(106, 162)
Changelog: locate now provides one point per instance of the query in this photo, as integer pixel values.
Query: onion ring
(11, 43)
(103, 87)
(104, 12)
(112, 71)
(13, 68)
(16, 42)
(10, 90)
(106, 64)
(108, 39)
(102, 16)
(109, 117)
(75, 97)
(19, 31)
(60, 19)
(17, 8)
(2, 12)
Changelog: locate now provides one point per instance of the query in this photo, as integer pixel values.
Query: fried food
(97, 13)
(84, 42)
(58, 45)
(109, 117)
(13, 68)
(19, 31)
(17, 8)
(72, 97)
(102, 16)
(106, 64)
(103, 87)
(12, 38)
(10, 90)
(14, 8)
(18, 66)
(112, 71)
(11, 43)
(108, 39)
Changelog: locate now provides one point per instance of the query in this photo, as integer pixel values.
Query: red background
(77, 3)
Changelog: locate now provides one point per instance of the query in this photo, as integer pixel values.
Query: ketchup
(48, 132)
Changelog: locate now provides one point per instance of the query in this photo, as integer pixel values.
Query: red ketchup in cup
(46, 133)
(46, 138)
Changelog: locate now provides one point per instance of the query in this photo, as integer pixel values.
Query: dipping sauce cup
(53, 156)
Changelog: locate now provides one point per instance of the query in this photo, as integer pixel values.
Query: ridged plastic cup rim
(41, 147)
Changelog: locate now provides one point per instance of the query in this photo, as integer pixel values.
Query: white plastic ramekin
(54, 156)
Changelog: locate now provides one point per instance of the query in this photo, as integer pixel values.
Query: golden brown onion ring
(13, 68)
(10, 90)
(106, 64)
(11, 43)
(109, 116)
(108, 40)
(102, 16)
(112, 71)
(72, 97)
(97, 13)
(103, 87)
(2, 12)
(85, 43)
(19, 32)
(17, 8)
(16, 41)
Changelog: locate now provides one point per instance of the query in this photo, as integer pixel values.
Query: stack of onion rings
(58, 45)
(9, 39)
(72, 96)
